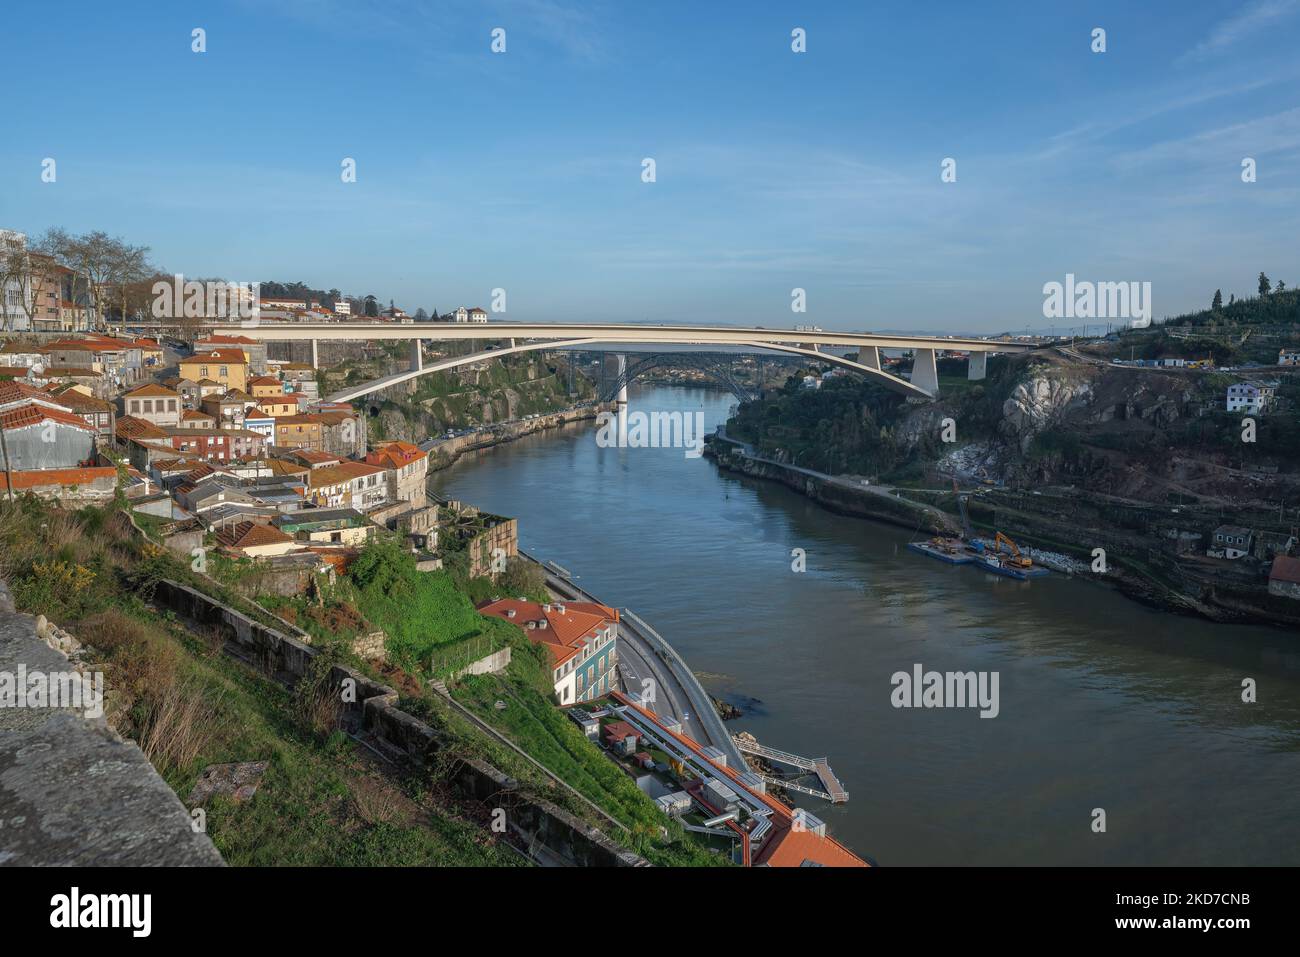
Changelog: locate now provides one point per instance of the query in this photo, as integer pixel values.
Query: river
(1103, 703)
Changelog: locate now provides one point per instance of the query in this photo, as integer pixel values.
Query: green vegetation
(533, 722)
(431, 626)
(1244, 330)
(321, 800)
(502, 388)
(850, 425)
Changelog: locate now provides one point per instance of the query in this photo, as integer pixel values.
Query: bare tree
(96, 257)
(128, 267)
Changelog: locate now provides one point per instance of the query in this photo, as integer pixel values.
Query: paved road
(677, 692)
(857, 485)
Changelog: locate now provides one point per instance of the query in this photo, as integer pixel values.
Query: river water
(1103, 703)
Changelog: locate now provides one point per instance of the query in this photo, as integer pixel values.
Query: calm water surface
(1104, 703)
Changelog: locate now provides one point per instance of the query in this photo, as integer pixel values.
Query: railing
(785, 757)
(792, 786)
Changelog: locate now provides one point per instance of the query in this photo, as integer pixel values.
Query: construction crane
(965, 517)
(1016, 559)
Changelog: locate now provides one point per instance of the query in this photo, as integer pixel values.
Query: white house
(470, 315)
(1230, 541)
(1288, 357)
(1248, 397)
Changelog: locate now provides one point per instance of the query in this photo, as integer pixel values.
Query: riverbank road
(643, 654)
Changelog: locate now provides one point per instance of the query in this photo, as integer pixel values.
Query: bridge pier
(417, 354)
(869, 356)
(925, 374)
(621, 402)
(315, 355)
(979, 365)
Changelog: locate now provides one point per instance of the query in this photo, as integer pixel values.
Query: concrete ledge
(72, 791)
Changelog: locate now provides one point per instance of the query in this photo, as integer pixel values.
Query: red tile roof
(251, 534)
(152, 389)
(229, 356)
(1285, 569)
(129, 427)
(17, 391)
(395, 455)
(565, 633)
(36, 414)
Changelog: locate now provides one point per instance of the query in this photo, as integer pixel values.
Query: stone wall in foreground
(73, 792)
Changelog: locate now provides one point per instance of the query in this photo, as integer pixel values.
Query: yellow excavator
(1016, 560)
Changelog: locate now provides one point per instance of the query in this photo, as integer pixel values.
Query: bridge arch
(355, 392)
(716, 365)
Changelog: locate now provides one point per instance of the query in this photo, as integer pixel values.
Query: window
(203, 372)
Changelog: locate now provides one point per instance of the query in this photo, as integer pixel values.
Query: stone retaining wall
(286, 660)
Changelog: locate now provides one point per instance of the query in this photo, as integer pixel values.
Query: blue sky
(775, 170)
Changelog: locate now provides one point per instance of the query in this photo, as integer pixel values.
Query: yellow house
(226, 366)
(265, 386)
(297, 432)
(277, 407)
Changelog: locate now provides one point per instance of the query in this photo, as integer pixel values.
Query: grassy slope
(189, 706)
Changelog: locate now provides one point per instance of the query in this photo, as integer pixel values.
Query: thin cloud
(1231, 31)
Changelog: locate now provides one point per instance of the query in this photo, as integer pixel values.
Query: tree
(372, 306)
(522, 578)
(128, 268)
(1218, 300)
(421, 315)
(27, 274)
(1264, 285)
(97, 258)
(1232, 298)
(1281, 286)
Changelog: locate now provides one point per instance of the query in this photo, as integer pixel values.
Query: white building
(13, 315)
(470, 315)
(343, 307)
(1248, 397)
(1288, 357)
(1230, 541)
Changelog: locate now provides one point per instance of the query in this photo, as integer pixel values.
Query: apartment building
(154, 403)
(406, 466)
(580, 637)
(228, 367)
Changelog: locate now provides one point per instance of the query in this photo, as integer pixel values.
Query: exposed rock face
(1041, 401)
(924, 420)
(396, 426)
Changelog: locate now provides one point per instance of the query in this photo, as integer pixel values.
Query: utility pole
(9, 472)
